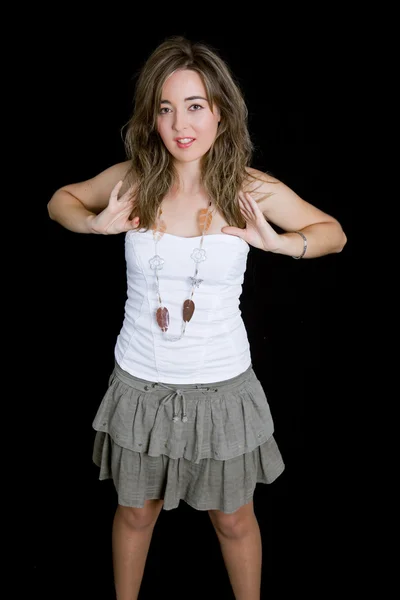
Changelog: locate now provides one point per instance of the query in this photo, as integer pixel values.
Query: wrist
(89, 223)
(292, 244)
(305, 245)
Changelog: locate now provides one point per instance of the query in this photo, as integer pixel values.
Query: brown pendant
(204, 219)
(162, 315)
(188, 310)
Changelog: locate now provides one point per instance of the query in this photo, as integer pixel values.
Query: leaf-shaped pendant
(162, 316)
(159, 231)
(188, 310)
(204, 219)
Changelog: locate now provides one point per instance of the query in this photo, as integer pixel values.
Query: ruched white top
(215, 345)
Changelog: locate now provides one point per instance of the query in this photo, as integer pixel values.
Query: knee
(229, 527)
(235, 525)
(140, 518)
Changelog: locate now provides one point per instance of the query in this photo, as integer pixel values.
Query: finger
(244, 211)
(245, 208)
(115, 190)
(251, 204)
(246, 201)
(233, 231)
(244, 198)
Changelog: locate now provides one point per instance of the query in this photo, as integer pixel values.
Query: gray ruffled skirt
(206, 444)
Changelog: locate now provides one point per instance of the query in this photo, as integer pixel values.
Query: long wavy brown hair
(223, 168)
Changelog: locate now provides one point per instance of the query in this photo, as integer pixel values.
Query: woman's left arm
(271, 201)
(289, 212)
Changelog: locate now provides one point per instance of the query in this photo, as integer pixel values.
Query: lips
(184, 142)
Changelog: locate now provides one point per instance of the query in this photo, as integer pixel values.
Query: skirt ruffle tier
(206, 444)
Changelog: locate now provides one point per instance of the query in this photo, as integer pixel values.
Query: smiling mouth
(184, 142)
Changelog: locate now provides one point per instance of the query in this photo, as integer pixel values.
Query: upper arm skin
(95, 193)
(282, 206)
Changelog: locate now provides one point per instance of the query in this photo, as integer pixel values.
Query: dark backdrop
(295, 311)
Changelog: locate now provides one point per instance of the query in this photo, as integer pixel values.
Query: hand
(115, 217)
(258, 231)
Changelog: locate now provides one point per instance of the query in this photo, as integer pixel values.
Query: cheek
(162, 131)
(159, 128)
(208, 126)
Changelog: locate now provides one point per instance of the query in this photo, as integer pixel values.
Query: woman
(184, 416)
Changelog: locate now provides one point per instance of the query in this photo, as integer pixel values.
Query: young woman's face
(186, 124)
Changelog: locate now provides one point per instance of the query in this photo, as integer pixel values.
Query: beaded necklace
(157, 262)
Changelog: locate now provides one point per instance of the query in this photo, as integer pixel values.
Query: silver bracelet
(304, 245)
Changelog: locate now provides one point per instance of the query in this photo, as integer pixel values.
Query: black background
(297, 313)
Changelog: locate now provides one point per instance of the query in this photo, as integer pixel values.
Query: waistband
(179, 391)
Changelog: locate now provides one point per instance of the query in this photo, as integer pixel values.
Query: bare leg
(131, 537)
(240, 540)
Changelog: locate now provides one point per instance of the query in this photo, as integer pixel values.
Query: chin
(186, 157)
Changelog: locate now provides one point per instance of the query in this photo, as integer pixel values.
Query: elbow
(342, 240)
(52, 205)
(50, 210)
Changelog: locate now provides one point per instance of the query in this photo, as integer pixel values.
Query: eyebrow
(186, 99)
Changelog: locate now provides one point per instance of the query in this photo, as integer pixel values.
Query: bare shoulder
(261, 185)
(280, 204)
(255, 175)
(94, 193)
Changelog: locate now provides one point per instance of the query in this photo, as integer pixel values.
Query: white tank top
(215, 345)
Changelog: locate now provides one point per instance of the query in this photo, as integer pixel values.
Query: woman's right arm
(77, 206)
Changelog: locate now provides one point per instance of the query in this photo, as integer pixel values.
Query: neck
(189, 181)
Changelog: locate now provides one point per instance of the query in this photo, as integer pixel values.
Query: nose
(180, 120)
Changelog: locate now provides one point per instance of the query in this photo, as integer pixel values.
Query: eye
(195, 107)
(163, 110)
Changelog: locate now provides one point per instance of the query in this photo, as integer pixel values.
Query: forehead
(183, 83)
